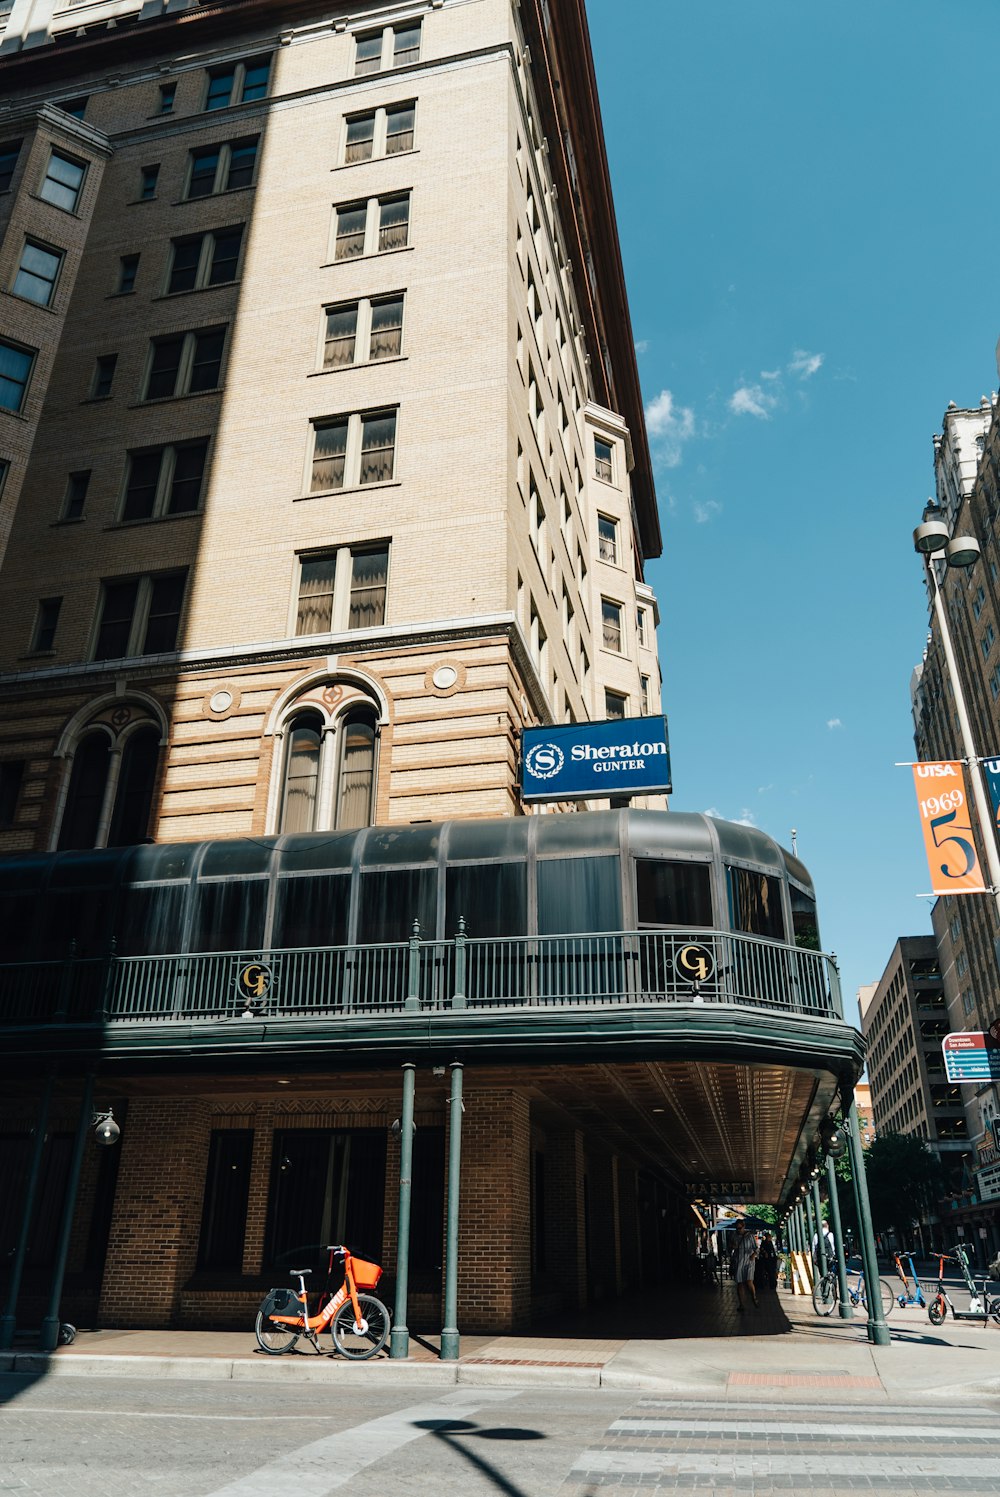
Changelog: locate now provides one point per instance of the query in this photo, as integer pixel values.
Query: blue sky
(809, 230)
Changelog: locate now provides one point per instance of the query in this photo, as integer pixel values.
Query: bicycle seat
(299, 1273)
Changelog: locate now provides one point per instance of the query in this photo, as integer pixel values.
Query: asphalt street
(91, 1437)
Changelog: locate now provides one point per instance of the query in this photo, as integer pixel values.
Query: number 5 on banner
(944, 816)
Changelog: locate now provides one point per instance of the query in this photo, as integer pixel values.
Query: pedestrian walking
(767, 1263)
(742, 1264)
(828, 1245)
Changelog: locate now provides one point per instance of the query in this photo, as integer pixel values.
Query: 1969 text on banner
(944, 816)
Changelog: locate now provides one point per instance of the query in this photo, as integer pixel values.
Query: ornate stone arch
(337, 715)
(130, 771)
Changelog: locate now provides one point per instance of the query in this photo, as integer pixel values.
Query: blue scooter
(913, 1295)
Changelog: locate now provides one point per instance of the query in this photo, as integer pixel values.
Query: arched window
(87, 786)
(134, 794)
(300, 801)
(108, 795)
(357, 769)
(328, 771)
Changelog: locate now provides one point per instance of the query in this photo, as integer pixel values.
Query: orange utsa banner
(944, 816)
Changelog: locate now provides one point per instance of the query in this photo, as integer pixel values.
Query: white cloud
(670, 426)
(804, 364)
(770, 374)
(753, 400)
(745, 818)
(641, 345)
(834, 722)
(705, 511)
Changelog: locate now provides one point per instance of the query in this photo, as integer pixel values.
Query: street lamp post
(931, 538)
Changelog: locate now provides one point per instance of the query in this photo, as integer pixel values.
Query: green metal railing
(634, 968)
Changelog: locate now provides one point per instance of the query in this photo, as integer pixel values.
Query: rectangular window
(76, 495)
(602, 460)
(168, 92)
(205, 260)
(11, 778)
(615, 706)
(378, 446)
(341, 332)
(367, 53)
(611, 625)
(394, 222)
(75, 107)
(44, 636)
(369, 576)
(317, 577)
(640, 624)
(38, 273)
(673, 893)
(360, 137)
(644, 694)
(185, 363)
(63, 181)
(16, 364)
(399, 129)
(978, 602)
(222, 168)
(164, 480)
(755, 903)
(986, 642)
(995, 682)
(607, 539)
(227, 1191)
(351, 220)
(128, 269)
(406, 44)
(237, 83)
(148, 177)
(387, 328)
(104, 374)
(140, 615)
(10, 152)
(353, 450)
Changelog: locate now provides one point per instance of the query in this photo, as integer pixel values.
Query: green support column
(878, 1331)
(820, 1241)
(8, 1322)
(845, 1307)
(811, 1225)
(799, 1230)
(49, 1338)
(449, 1333)
(399, 1340)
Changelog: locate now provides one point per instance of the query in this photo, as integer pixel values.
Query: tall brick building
(325, 475)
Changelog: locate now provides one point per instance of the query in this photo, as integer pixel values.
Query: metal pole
(878, 1331)
(449, 1334)
(846, 1308)
(979, 792)
(49, 1338)
(812, 1225)
(820, 1240)
(399, 1340)
(8, 1322)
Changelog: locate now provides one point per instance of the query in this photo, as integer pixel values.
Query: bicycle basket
(366, 1275)
(280, 1302)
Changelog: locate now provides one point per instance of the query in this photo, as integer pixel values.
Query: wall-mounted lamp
(106, 1130)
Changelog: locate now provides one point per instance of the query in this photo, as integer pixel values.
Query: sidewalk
(692, 1343)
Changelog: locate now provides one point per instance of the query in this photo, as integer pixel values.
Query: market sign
(988, 1182)
(722, 1192)
(592, 761)
(971, 1056)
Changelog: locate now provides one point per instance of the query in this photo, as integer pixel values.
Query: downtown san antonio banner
(948, 839)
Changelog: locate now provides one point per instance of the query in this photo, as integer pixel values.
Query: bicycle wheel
(272, 1337)
(937, 1310)
(888, 1298)
(993, 1311)
(825, 1295)
(360, 1345)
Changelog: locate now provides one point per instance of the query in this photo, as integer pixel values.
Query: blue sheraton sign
(591, 761)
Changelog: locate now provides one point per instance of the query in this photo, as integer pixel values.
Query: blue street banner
(591, 761)
(991, 769)
(970, 1056)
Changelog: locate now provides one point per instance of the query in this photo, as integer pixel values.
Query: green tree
(905, 1181)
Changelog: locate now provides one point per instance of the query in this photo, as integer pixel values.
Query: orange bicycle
(358, 1322)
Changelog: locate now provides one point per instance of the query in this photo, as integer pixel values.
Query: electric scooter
(913, 1295)
(980, 1304)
